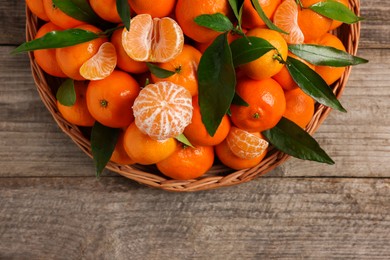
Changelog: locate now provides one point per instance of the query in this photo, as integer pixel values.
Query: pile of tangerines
(115, 87)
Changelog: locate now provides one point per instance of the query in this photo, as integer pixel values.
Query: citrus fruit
(228, 158)
(284, 78)
(101, 65)
(124, 62)
(335, 23)
(196, 131)
(187, 10)
(185, 67)
(299, 107)
(162, 110)
(312, 24)
(36, 7)
(286, 18)
(250, 17)
(58, 17)
(142, 149)
(266, 104)
(46, 58)
(244, 144)
(119, 154)
(153, 39)
(70, 59)
(328, 73)
(187, 162)
(158, 9)
(110, 100)
(106, 9)
(269, 64)
(78, 114)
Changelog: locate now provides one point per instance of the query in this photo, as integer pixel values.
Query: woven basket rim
(219, 175)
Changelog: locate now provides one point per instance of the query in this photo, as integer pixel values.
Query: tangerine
(158, 9)
(185, 67)
(70, 59)
(153, 39)
(270, 63)
(187, 10)
(110, 100)
(142, 149)
(36, 7)
(46, 58)
(299, 107)
(162, 110)
(266, 104)
(124, 62)
(58, 17)
(197, 133)
(187, 162)
(119, 154)
(106, 9)
(228, 158)
(250, 17)
(78, 114)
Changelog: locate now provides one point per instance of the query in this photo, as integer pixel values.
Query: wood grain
(271, 218)
(51, 206)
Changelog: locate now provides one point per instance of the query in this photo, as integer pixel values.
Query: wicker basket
(218, 175)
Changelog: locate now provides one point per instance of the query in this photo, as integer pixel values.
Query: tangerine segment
(244, 144)
(286, 18)
(70, 59)
(153, 39)
(102, 64)
(163, 110)
(228, 158)
(144, 150)
(187, 162)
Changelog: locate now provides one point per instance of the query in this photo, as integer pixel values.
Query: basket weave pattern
(218, 175)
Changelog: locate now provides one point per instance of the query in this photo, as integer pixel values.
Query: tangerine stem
(103, 103)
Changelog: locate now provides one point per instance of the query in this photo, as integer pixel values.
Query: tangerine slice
(153, 39)
(286, 18)
(102, 64)
(244, 144)
(163, 110)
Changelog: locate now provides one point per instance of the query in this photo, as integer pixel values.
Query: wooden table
(52, 206)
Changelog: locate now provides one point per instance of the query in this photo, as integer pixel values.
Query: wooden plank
(374, 28)
(83, 218)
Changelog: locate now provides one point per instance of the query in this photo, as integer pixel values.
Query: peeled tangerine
(244, 144)
(163, 110)
(153, 39)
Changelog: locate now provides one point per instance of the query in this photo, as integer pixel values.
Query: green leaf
(336, 11)
(159, 72)
(239, 101)
(123, 8)
(312, 84)
(217, 22)
(245, 50)
(264, 17)
(183, 139)
(291, 139)
(325, 56)
(217, 81)
(78, 9)
(66, 94)
(57, 39)
(103, 141)
(236, 6)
